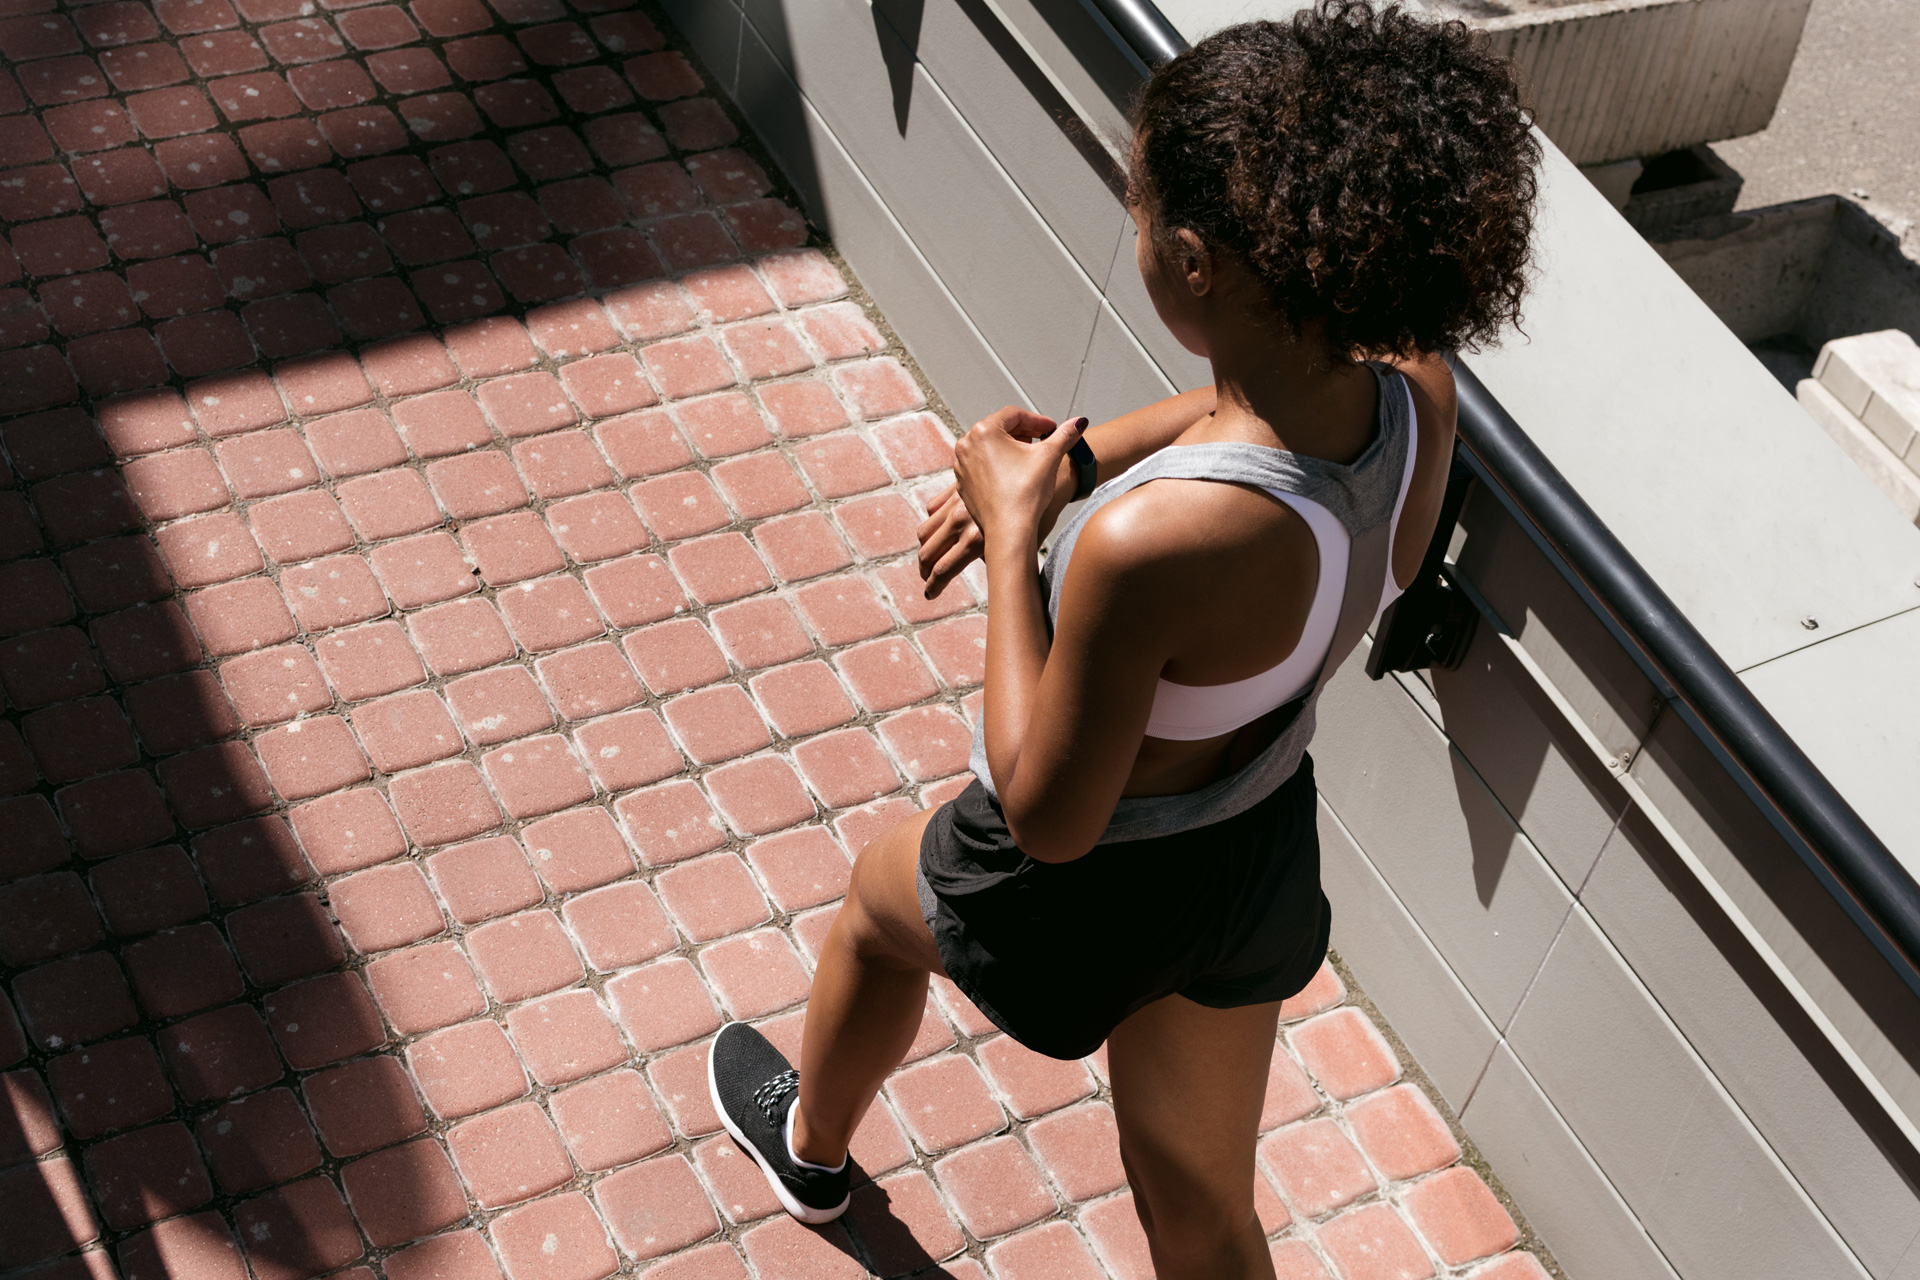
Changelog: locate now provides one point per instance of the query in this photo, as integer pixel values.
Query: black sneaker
(753, 1089)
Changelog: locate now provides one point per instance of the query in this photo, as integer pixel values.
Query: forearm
(1017, 646)
(1119, 443)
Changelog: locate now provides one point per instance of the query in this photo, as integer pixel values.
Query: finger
(1022, 424)
(950, 565)
(935, 518)
(949, 531)
(1069, 431)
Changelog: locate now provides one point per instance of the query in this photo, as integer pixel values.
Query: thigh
(883, 903)
(1188, 1085)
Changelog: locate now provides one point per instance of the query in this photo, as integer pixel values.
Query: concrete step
(1865, 392)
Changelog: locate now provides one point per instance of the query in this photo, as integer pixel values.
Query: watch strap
(1086, 468)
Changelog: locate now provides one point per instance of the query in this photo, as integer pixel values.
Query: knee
(880, 916)
(863, 926)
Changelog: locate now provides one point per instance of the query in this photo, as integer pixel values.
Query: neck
(1291, 395)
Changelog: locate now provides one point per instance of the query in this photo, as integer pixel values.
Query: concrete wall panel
(713, 28)
(1117, 375)
(1516, 739)
(772, 18)
(1708, 1190)
(1481, 892)
(1804, 1101)
(1818, 943)
(1616, 703)
(1429, 1010)
(1015, 281)
(936, 330)
(1592, 1232)
(1096, 75)
(1127, 294)
(956, 44)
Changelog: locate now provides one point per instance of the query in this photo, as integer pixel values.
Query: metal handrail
(1841, 850)
(1144, 29)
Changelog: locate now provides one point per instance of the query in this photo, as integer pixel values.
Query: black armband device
(1086, 468)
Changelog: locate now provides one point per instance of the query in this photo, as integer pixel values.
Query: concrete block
(1876, 376)
(1708, 1190)
(1888, 471)
(1681, 188)
(1614, 78)
(1756, 269)
(1866, 282)
(1567, 1199)
(1433, 1014)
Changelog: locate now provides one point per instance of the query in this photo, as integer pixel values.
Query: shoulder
(1434, 394)
(1177, 534)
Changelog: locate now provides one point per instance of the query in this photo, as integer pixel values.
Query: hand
(1006, 469)
(950, 540)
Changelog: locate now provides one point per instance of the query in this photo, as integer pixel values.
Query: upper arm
(1435, 412)
(1095, 694)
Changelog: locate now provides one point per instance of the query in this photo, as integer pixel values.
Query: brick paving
(456, 625)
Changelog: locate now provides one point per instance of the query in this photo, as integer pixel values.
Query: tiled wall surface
(457, 621)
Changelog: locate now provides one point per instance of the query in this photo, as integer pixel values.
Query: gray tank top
(1361, 496)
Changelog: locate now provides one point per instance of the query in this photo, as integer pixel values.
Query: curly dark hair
(1372, 167)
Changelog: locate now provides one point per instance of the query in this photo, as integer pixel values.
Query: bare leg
(868, 995)
(1188, 1084)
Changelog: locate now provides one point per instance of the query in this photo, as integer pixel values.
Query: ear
(1196, 264)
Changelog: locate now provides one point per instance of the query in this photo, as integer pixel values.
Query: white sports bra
(1190, 712)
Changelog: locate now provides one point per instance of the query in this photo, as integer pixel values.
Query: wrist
(1064, 482)
(1019, 549)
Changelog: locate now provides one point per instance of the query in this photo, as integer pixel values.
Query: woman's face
(1178, 277)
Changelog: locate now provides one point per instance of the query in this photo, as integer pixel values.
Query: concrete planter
(1619, 79)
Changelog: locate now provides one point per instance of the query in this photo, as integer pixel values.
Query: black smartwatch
(1086, 468)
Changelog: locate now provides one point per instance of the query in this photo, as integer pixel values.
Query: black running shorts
(1057, 954)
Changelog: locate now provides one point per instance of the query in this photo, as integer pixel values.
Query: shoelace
(767, 1097)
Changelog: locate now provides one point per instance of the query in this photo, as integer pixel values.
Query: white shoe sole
(812, 1217)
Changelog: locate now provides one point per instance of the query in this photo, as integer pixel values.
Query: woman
(1136, 863)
